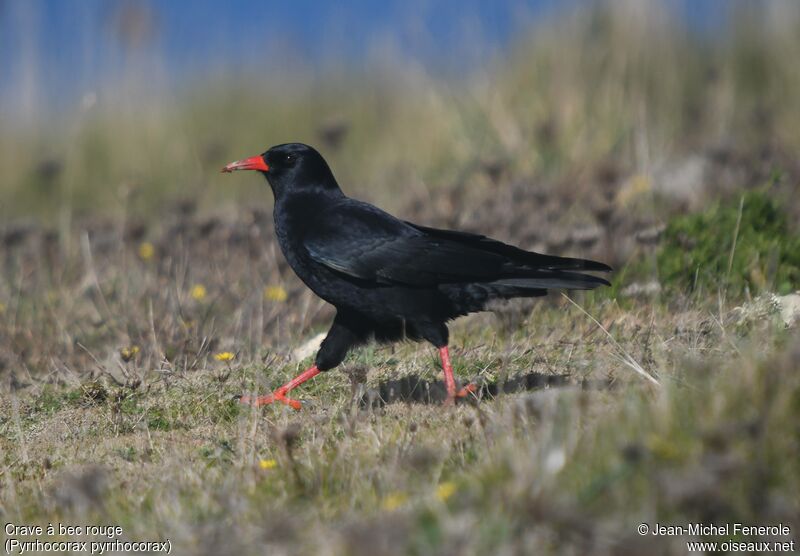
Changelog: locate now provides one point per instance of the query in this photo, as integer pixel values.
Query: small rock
(586, 236)
(650, 236)
(790, 309)
(309, 348)
(683, 179)
(638, 289)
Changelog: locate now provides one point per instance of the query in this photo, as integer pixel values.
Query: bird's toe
(470, 388)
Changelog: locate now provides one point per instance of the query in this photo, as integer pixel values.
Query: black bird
(390, 279)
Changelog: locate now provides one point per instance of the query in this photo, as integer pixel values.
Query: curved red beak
(252, 163)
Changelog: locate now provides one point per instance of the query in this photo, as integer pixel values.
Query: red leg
(279, 395)
(450, 381)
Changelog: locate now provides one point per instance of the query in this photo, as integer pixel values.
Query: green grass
(748, 246)
(740, 248)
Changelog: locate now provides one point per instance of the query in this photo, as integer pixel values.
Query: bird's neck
(312, 195)
(297, 208)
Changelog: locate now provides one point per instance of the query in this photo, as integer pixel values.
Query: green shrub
(745, 246)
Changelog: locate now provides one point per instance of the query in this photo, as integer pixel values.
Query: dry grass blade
(622, 355)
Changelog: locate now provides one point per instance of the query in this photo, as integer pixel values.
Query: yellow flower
(146, 250)
(267, 464)
(128, 353)
(445, 490)
(275, 293)
(225, 356)
(662, 448)
(638, 185)
(198, 292)
(394, 500)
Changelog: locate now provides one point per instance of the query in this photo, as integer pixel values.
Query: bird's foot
(278, 395)
(470, 388)
(452, 395)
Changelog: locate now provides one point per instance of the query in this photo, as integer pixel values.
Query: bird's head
(290, 167)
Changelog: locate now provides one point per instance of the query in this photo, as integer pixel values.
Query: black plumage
(388, 278)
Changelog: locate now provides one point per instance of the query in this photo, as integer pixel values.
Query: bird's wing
(520, 256)
(365, 243)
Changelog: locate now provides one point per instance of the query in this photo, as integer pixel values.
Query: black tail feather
(554, 280)
(517, 255)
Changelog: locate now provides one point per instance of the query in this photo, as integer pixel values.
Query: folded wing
(366, 244)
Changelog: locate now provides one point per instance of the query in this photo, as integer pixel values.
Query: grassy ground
(574, 465)
(141, 291)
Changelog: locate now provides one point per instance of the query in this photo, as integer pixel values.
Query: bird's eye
(289, 159)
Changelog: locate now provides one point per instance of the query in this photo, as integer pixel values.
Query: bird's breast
(290, 232)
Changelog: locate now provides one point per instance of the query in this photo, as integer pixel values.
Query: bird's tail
(546, 279)
(475, 296)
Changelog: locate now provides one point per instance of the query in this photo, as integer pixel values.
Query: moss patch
(738, 247)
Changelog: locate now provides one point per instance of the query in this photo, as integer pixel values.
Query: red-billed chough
(390, 279)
